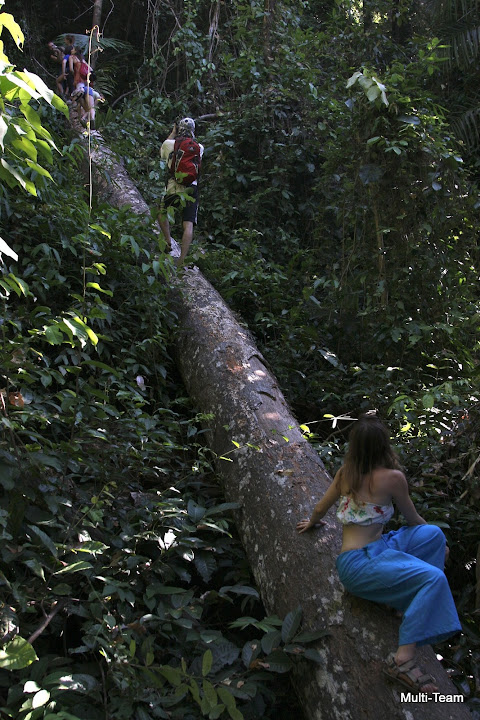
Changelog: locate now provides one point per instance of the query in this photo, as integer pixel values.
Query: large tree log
(277, 484)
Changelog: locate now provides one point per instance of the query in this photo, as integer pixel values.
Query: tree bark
(277, 477)
(97, 13)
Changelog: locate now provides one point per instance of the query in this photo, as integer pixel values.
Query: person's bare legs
(187, 238)
(59, 81)
(406, 653)
(89, 106)
(165, 228)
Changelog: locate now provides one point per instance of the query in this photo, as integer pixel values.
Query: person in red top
(79, 67)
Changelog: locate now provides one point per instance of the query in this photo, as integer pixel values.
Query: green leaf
(47, 461)
(21, 180)
(45, 539)
(353, 79)
(17, 654)
(35, 567)
(7, 250)
(165, 590)
(195, 511)
(216, 712)
(373, 92)
(306, 637)
(270, 641)
(77, 682)
(207, 662)
(33, 119)
(25, 145)
(3, 131)
(101, 366)
(38, 169)
(250, 652)
(38, 84)
(19, 89)
(93, 547)
(173, 675)
(206, 564)
(223, 507)
(291, 624)
(100, 230)
(428, 401)
(227, 698)
(240, 590)
(8, 21)
(53, 334)
(60, 105)
(96, 286)
(8, 475)
(20, 283)
(278, 662)
(62, 589)
(31, 687)
(315, 655)
(75, 567)
(40, 699)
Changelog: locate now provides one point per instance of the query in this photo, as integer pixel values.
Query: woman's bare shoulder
(339, 480)
(389, 478)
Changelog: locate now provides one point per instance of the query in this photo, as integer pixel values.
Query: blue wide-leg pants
(404, 569)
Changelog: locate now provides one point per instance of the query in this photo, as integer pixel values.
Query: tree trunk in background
(97, 13)
(268, 19)
(277, 484)
(96, 20)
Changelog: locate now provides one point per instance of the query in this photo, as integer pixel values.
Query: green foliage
(24, 142)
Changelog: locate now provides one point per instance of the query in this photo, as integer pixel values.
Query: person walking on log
(402, 568)
(183, 155)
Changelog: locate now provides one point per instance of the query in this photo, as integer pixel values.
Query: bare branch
(56, 607)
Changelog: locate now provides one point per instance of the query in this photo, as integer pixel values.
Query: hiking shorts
(179, 200)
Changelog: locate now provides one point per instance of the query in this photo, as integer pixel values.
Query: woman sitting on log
(402, 568)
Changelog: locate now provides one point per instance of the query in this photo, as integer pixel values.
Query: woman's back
(376, 487)
(365, 511)
(379, 489)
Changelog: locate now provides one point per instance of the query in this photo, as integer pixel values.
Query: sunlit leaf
(8, 21)
(7, 250)
(17, 654)
(75, 567)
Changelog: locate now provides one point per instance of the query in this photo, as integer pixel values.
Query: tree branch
(56, 607)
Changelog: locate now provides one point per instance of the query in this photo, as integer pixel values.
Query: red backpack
(84, 70)
(186, 160)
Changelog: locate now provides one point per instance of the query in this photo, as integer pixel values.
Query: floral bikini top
(362, 513)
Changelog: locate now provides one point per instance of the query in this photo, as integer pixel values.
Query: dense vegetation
(338, 216)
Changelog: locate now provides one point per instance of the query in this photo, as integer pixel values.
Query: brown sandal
(405, 674)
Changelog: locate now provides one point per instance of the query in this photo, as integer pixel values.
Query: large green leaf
(8, 21)
(291, 624)
(17, 654)
(74, 567)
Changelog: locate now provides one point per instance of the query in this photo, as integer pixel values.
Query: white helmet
(186, 126)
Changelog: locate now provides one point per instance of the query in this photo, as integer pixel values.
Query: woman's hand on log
(305, 525)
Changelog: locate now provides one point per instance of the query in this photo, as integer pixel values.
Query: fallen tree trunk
(277, 477)
(278, 484)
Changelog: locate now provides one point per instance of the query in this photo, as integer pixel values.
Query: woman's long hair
(369, 448)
